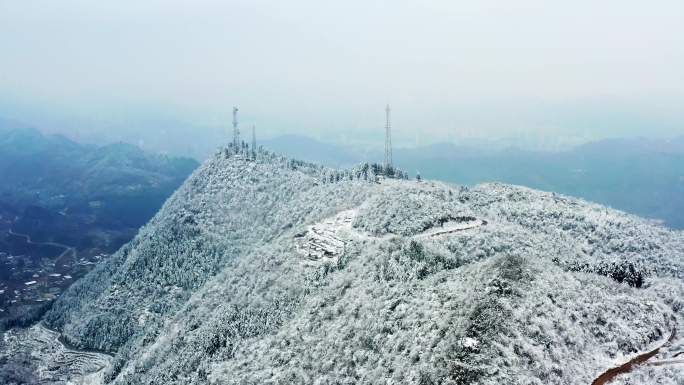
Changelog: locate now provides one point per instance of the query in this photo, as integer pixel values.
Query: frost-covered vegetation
(215, 289)
(36, 356)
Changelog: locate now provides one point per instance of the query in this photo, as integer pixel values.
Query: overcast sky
(450, 69)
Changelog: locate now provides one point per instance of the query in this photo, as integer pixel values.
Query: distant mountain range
(641, 176)
(117, 182)
(64, 206)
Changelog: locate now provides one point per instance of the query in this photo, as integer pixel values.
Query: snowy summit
(266, 270)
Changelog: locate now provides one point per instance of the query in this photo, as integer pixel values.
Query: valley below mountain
(65, 207)
(266, 270)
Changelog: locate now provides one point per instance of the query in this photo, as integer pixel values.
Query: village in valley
(35, 273)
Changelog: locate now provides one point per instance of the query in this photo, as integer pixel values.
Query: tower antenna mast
(253, 141)
(388, 139)
(236, 130)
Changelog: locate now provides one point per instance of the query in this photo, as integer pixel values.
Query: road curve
(67, 249)
(610, 374)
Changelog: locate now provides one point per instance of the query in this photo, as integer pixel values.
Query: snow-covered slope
(277, 271)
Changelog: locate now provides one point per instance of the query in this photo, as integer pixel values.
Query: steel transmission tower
(236, 130)
(388, 139)
(254, 141)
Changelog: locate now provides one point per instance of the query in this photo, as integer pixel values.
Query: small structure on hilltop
(236, 130)
(388, 140)
(253, 141)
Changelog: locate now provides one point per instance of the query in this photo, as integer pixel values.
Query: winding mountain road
(451, 228)
(67, 249)
(610, 374)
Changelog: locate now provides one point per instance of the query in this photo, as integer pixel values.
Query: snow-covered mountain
(274, 271)
(641, 176)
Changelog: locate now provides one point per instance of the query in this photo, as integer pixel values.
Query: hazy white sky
(495, 68)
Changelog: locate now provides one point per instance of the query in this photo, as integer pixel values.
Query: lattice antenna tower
(236, 130)
(388, 138)
(254, 141)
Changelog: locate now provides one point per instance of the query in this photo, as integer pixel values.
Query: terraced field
(50, 361)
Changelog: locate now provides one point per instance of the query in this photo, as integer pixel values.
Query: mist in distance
(521, 220)
(165, 74)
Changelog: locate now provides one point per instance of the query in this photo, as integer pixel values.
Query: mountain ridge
(257, 271)
(639, 175)
(63, 170)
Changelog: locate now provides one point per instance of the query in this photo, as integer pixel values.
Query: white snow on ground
(553, 289)
(57, 363)
(621, 358)
(326, 240)
(666, 362)
(452, 227)
(669, 374)
(323, 241)
(470, 343)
